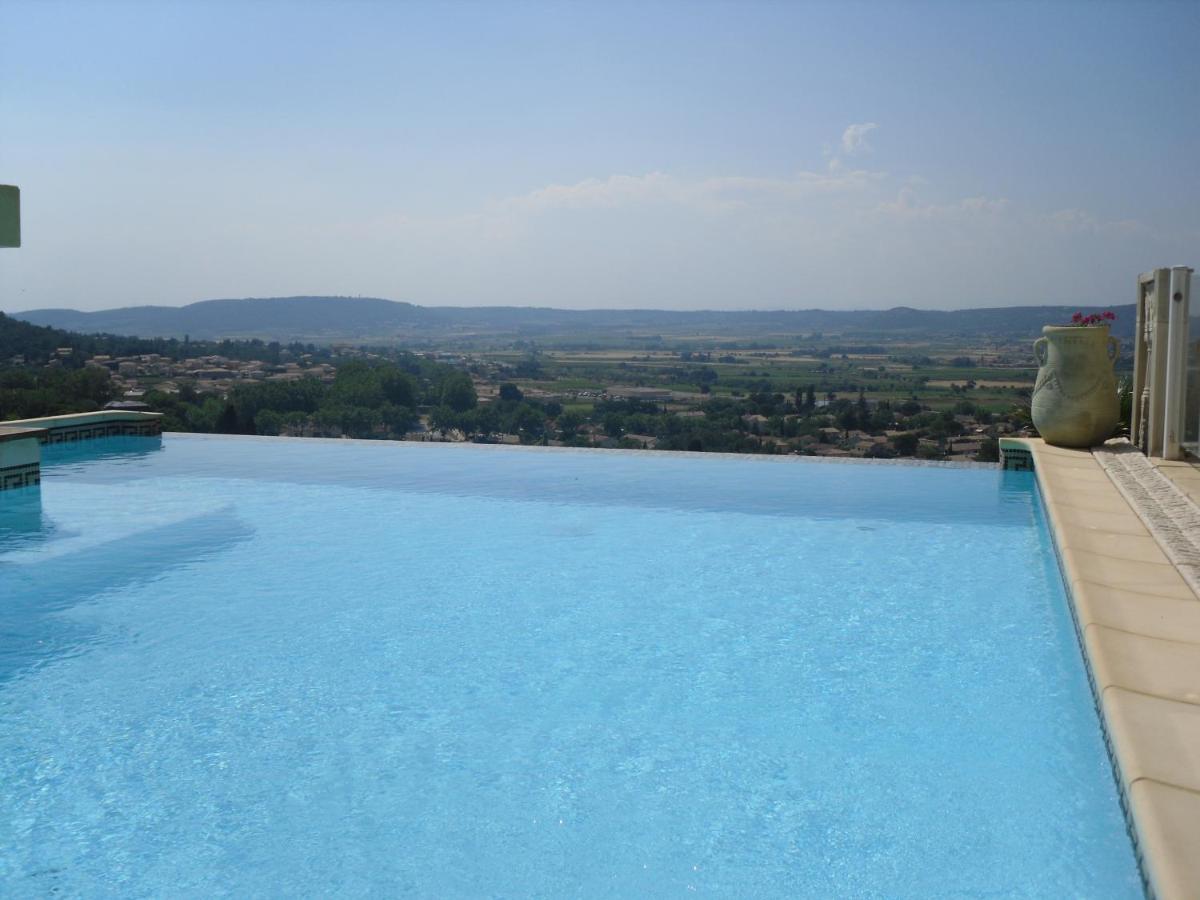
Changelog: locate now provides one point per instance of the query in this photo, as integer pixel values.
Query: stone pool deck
(1139, 623)
(1186, 476)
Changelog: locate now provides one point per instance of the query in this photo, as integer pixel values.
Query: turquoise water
(244, 667)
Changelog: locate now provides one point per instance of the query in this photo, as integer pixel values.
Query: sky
(592, 155)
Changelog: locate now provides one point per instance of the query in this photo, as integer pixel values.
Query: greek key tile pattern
(73, 433)
(1017, 460)
(27, 475)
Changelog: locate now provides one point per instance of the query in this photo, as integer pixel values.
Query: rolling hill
(362, 319)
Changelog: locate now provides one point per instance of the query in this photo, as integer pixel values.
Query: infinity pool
(265, 667)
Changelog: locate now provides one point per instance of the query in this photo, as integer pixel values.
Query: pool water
(266, 667)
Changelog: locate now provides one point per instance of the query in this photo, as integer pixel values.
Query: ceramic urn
(1075, 398)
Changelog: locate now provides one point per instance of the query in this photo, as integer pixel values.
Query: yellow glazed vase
(1075, 399)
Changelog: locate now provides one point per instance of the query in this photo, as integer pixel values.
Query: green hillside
(359, 319)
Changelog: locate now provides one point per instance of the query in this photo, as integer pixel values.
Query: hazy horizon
(697, 309)
(619, 156)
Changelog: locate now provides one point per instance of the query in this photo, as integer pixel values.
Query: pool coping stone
(1138, 623)
(771, 458)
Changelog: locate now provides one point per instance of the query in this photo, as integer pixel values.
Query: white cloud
(659, 239)
(1082, 221)
(854, 138)
(613, 191)
(643, 239)
(712, 194)
(907, 205)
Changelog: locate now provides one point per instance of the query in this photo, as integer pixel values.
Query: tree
(510, 393)
(989, 450)
(357, 384)
(398, 387)
(945, 425)
(881, 417)
(528, 422)
(204, 417)
(485, 419)
(227, 421)
(398, 419)
(458, 392)
(268, 421)
(568, 424)
(443, 418)
(359, 421)
(354, 421)
(848, 417)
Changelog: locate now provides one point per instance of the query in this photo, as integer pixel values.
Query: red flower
(1093, 318)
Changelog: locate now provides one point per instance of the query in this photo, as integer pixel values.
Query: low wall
(85, 426)
(1015, 454)
(20, 457)
(21, 439)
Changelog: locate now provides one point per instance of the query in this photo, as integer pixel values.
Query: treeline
(385, 394)
(30, 393)
(36, 344)
(761, 422)
(385, 399)
(366, 399)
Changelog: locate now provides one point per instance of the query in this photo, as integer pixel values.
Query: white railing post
(1153, 288)
(1175, 381)
(1141, 361)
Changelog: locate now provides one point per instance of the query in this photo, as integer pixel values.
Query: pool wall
(21, 439)
(1138, 624)
(20, 458)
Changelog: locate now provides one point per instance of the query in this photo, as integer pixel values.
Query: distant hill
(38, 343)
(34, 342)
(362, 319)
(281, 318)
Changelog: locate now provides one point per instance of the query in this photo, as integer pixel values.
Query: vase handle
(1114, 349)
(1039, 350)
